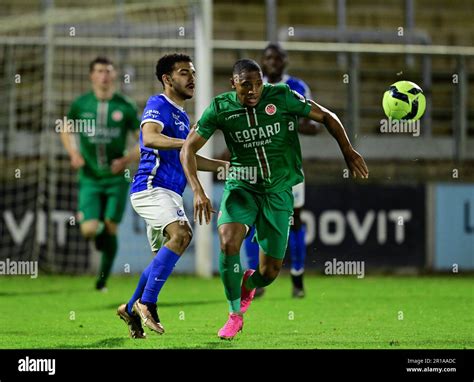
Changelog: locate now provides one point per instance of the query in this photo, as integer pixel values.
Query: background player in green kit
(259, 122)
(102, 159)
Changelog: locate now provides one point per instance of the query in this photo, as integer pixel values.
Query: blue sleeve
(307, 91)
(154, 112)
(300, 86)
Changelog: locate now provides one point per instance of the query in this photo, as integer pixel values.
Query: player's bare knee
(230, 245)
(270, 271)
(180, 239)
(88, 234)
(271, 274)
(190, 234)
(230, 240)
(89, 229)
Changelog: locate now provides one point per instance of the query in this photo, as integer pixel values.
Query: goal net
(45, 51)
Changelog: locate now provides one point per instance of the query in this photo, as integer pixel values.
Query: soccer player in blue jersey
(158, 185)
(274, 62)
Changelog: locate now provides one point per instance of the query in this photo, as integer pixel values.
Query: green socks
(257, 281)
(231, 276)
(107, 244)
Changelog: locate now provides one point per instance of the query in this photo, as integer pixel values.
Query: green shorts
(101, 199)
(270, 213)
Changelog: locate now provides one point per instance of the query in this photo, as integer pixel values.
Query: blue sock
(297, 250)
(251, 247)
(161, 267)
(140, 287)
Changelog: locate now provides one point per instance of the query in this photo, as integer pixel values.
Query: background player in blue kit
(158, 185)
(274, 62)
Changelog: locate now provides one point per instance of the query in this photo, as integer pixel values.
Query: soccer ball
(404, 100)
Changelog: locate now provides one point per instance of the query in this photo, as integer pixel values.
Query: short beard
(187, 96)
(184, 95)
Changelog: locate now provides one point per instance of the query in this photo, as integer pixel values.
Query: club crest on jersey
(270, 109)
(181, 125)
(117, 116)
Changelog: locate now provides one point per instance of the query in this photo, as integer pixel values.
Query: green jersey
(262, 140)
(103, 128)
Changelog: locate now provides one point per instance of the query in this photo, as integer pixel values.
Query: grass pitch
(65, 312)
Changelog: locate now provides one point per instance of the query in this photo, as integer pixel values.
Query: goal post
(44, 57)
(204, 68)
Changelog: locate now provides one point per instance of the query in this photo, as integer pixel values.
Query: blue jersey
(162, 168)
(295, 84)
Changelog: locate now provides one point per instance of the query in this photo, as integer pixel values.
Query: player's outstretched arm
(188, 157)
(354, 160)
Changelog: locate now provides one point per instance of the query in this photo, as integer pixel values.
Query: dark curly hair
(166, 63)
(245, 65)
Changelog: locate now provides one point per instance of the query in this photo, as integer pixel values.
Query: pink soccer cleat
(246, 296)
(234, 324)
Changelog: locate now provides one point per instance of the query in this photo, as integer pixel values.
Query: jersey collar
(172, 102)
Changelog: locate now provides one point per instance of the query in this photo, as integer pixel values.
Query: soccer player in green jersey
(260, 126)
(103, 118)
